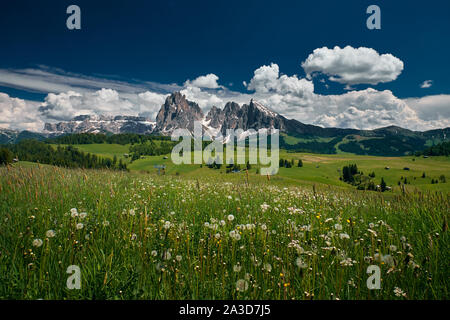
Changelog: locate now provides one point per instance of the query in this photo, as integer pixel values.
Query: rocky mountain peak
(177, 113)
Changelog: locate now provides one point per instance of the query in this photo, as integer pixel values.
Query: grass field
(215, 236)
(317, 169)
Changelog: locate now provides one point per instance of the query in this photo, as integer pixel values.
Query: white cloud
(50, 80)
(426, 84)
(203, 98)
(434, 108)
(208, 81)
(353, 65)
(290, 96)
(266, 79)
(66, 105)
(19, 114)
(365, 109)
(150, 103)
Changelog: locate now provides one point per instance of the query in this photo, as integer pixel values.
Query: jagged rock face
(177, 113)
(250, 116)
(95, 124)
(215, 117)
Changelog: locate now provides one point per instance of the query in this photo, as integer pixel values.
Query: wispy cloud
(52, 80)
(426, 84)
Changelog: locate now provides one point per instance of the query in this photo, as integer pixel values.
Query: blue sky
(156, 46)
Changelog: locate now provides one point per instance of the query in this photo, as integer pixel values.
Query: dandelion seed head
(37, 242)
(241, 285)
(50, 233)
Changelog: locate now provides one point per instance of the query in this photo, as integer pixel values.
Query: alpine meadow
(225, 159)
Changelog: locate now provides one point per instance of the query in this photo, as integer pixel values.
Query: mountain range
(179, 113)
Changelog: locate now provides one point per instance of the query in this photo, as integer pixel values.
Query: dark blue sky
(171, 41)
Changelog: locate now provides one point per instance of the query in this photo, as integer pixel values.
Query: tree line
(441, 149)
(150, 148)
(69, 157)
(351, 175)
(91, 138)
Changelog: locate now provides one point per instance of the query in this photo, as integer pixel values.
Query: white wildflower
(241, 285)
(50, 233)
(37, 242)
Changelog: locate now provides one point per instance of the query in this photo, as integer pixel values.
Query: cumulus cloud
(19, 114)
(208, 81)
(426, 84)
(353, 65)
(203, 98)
(150, 103)
(267, 79)
(291, 96)
(365, 109)
(66, 105)
(433, 109)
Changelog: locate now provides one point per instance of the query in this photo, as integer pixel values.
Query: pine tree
(382, 185)
(6, 157)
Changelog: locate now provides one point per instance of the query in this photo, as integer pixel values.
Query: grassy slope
(318, 168)
(113, 245)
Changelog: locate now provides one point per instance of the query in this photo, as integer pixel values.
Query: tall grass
(148, 237)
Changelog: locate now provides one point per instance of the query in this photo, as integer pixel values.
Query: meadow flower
(255, 261)
(133, 236)
(300, 263)
(241, 285)
(154, 253)
(37, 243)
(132, 212)
(399, 292)
(178, 258)
(338, 226)
(80, 226)
(105, 223)
(167, 225)
(217, 235)
(230, 217)
(263, 227)
(222, 222)
(50, 233)
(237, 268)
(167, 255)
(388, 260)
(74, 212)
(344, 236)
(392, 248)
(83, 215)
(268, 267)
(347, 262)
